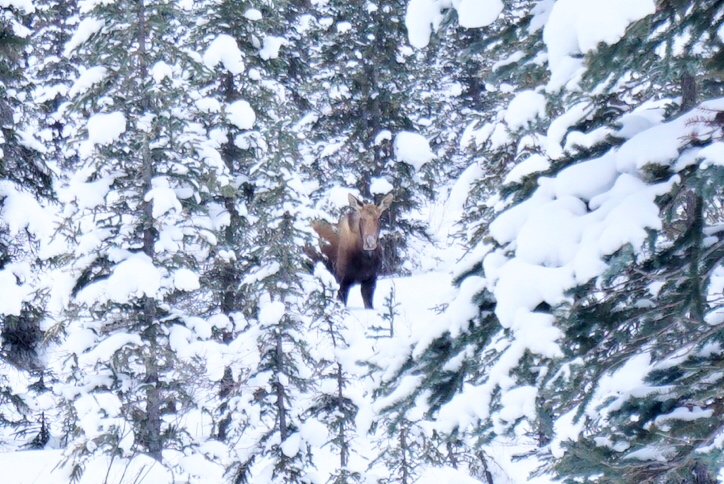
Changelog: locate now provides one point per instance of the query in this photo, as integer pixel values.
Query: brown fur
(350, 250)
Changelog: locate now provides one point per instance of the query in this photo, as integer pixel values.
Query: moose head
(365, 220)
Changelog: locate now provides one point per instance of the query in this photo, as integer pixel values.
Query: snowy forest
(550, 305)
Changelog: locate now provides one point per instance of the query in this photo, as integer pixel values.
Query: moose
(350, 250)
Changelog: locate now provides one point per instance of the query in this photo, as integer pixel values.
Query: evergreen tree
(655, 298)
(230, 94)
(652, 307)
(600, 295)
(334, 404)
(361, 96)
(137, 236)
(190, 142)
(275, 301)
(259, 260)
(25, 185)
(462, 351)
(498, 140)
(53, 71)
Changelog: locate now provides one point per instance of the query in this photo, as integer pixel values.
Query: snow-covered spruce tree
(52, 71)
(335, 401)
(360, 98)
(136, 235)
(600, 107)
(410, 396)
(25, 183)
(274, 446)
(399, 454)
(249, 104)
(500, 135)
(460, 351)
(633, 217)
(651, 316)
(230, 94)
(644, 340)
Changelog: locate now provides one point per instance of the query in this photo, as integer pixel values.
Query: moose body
(351, 250)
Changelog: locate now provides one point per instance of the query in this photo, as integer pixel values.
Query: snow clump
(271, 47)
(241, 114)
(413, 149)
(524, 108)
(424, 16)
(103, 129)
(223, 49)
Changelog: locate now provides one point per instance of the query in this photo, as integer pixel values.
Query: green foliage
(652, 302)
(360, 93)
(333, 404)
(26, 185)
(151, 182)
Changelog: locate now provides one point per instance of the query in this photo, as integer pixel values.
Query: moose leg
(368, 292)
(344, 291)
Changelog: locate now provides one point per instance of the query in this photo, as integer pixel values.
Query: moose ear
(354, 203)
(385, 203)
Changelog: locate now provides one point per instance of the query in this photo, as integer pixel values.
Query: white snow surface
(477, 13)
(160, 71)
(559, 126)
(134, 276)
(163, 196)
(533, 164)
(25, 6)
(524, 108)
(20, 210)
(253, 14)
(86, 29)
(87, 79)
(337, 197)
(85, 6)
(380, 186)
(13, 294)
(271, 313)
(40, 466)
(712, 155)
(421, 18)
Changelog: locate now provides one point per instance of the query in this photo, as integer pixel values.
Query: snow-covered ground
(417, 299)
(42, 467)
(563, 231)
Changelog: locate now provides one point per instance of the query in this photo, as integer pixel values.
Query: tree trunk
(405, 477)
(343, 446)
(151, 425)
(688, 91)
(281, 408)
(696, 234)
(486, 469)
